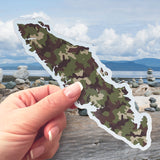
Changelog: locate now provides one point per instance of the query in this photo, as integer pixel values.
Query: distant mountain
(136, 65)
(153, 62)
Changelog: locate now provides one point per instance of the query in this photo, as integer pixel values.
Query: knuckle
(51, 101)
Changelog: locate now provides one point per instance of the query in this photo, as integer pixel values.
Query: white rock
(139, 91)
(22, 67)
(1, 75)
(21, 73)
(140, 81)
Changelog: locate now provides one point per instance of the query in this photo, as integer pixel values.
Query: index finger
(33, 95)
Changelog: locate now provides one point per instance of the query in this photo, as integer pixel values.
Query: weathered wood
(84, 140)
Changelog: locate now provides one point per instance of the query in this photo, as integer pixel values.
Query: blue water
(134, 74)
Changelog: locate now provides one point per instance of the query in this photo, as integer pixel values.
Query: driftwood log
(84, 140)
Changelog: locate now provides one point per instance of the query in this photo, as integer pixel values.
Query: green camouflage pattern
(71, 63)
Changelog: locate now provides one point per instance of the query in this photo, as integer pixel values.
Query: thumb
(52, 105)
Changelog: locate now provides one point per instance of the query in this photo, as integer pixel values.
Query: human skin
(32, 121)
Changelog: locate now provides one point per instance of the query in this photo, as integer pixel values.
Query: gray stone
(156, 92)
(140, 81)
(22, 67)
(135, 85)
(22, 86)
(149, 71)
(122, 81)
(136, 106)
(147, 93)
(39, 82)
(153, 105)
(154, 84)
(150, 109)
(133, 80)
(19, 81)
(157, 109)
(152, 100)
(10, 85)
(150, 77)
(1, 75)
(141, 90)
(82, 112)
(130, 83)
(28, 82)
(116, 80)
(1, 95)
(53, 82)
(21, 73)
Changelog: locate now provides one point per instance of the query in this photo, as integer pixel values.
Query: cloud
(7, 34)
(144, 44)
(10, 45)
(109, 45)
(25, 60)
(76, 32)
(37, 15)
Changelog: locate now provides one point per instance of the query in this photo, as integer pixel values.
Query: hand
(32, 121)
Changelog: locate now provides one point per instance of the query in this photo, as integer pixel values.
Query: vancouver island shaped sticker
(109, 104)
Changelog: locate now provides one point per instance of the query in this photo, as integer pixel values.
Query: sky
(119, 29)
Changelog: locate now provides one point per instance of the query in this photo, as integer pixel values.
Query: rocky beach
(147, 95)
(20, 80)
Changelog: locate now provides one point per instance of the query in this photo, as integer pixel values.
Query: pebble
(149, 71)
(152, 100)
(1, 75)
(135, 85)
(150, 109)
(136, 106)
(22, 67)
(19, 81)
(116, 80)
(140, 81)
(82, 112)
(157, 109)
(1, 95)
(147, 93)
(153, 105)
(156, 92)
(28, 82)
(53, 82)
(2, 86)
(39, 82)
(22, 86)
(154, 84)
(10, 85)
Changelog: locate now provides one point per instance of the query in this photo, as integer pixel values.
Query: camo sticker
(110, 104)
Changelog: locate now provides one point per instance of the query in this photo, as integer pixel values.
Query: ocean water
(134, 74)
(42, 73)
(118, 74)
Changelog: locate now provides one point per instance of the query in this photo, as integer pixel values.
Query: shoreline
(8, 78)
(141, 93)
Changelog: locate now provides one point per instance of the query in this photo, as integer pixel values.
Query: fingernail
(72, 90)
(53, 133)
(36, 152)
